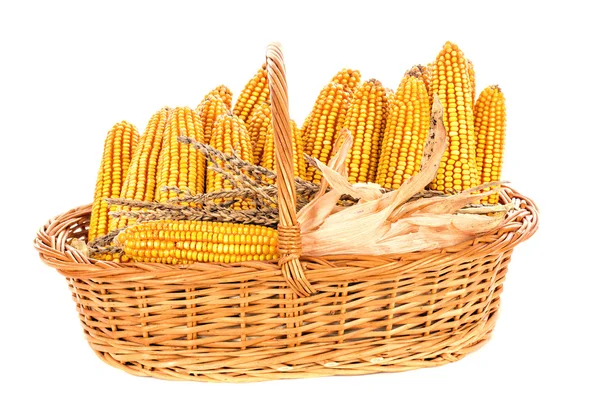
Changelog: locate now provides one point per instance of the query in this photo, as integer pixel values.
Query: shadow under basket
(252, 321)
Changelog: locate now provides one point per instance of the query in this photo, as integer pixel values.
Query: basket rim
(53, 244)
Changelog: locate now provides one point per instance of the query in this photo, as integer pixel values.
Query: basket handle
(290, 245)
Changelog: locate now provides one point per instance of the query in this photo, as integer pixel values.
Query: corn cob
(119, 146)
(258, 124)
(471, 72)
(208, 111)
(140, 181)
(230, 134)
(224, 93)
(255, 92)
(450, 80)
(490, 126)
(179, 164)
(405, 133)
(366, 121)
(184, 242)
(323, 124)
(268, 157)
(349, 78)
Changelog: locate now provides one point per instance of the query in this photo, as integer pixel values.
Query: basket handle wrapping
(290, 246)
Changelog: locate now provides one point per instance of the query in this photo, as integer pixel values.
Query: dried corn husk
(384, 223)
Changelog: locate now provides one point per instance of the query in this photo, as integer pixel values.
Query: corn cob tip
(450, 44)
(416, 71)
(349, 78)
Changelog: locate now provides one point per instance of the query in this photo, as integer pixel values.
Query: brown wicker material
(295, 317)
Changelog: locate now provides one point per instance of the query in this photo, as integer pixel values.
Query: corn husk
(384, 223)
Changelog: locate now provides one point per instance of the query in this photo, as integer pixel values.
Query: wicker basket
(295, 317)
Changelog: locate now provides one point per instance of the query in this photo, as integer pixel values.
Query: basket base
(394, 355)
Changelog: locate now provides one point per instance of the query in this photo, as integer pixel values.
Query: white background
(69, 71)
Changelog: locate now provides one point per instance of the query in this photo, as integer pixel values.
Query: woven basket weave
(294, 317)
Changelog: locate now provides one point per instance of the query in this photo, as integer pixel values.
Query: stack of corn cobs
(198, 185)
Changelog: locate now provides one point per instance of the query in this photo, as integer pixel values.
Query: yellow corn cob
(471, 72)
(268, 157)
(366, 121)
(490, 126)
(229, 134)
(179, 164)
(323, 124)
(255, 92)
(258, 124)
(140, 181)
(405, 134)
(119, 146)
(208, 111)
(224, 93)
(184, 242)
(349, 78)
(450, 80)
